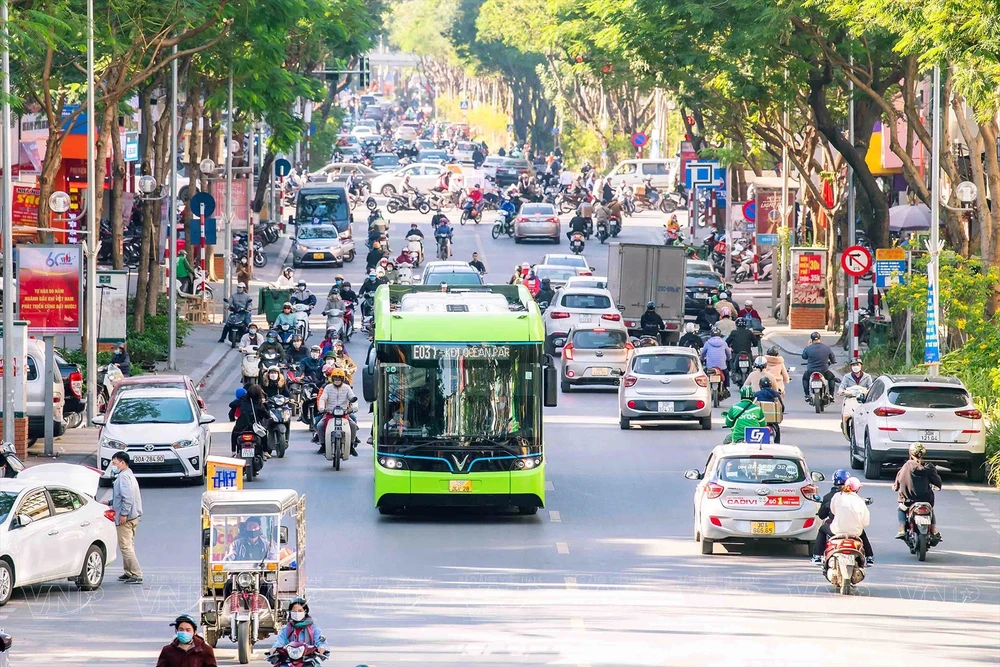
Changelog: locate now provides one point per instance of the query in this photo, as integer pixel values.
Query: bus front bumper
(403, 488)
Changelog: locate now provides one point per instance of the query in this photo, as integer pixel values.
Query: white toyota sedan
(52, 528)
(750, 492)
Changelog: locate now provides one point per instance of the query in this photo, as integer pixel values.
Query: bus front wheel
(528, 510)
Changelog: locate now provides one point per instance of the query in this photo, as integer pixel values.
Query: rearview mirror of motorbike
(621, 308)
(869, 501)
(551, 384)
(817, 476)
(283, 535)
(692, 475)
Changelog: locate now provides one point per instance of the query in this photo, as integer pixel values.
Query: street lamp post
(7, 223)
(172, 327)
(93, 227)
(935, 246)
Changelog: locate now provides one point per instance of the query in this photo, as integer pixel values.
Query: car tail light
(714, 520)
(76, 383)
(701, 380)
(552, 220)
(810, 491)
(713, 490)
(567, 352)
(888, 412)
(629, 346)
(614, 317)
(970, 414)
(631, 405)
(809, 522)
(109, 515)
(586, 273)
(630, 380)
(522, 219)
(570, 374)
(558, 315)
(699, 405)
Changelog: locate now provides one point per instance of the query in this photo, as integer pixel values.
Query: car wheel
(977, 470)
(564, 386)
(872, 467)
(296, 264)
(387, 190)
(6, 582)
(706, 423)
(706, 546)
(92, 573)
(624, 423)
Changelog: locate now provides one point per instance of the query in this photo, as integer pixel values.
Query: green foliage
(324, 140)
(579, 144)
(153, 344)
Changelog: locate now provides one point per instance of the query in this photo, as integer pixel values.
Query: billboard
(241, 208)
(50, 288)
(25, 208)
(112, 293)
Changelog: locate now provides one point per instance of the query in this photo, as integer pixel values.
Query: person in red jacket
(748, 311)
(532, 283)
(187, 649)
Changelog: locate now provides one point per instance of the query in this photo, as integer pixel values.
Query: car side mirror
(206, 419)
(283, 535)
(693, 475)
(592, 268)
(817, 476)
(23, 520)
(99, 420)
(550, 382)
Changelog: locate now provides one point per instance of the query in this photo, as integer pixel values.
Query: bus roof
(419, 313)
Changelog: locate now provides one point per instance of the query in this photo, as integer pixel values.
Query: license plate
(762, 528)
(665, 406)
(923, 520)
(319, 255)
(246, 452)
(147, 458)
(585, 319)
(701, 296)
(460, 486)
(744, 364)
(931, 436)
(816, 384)
(600, 372)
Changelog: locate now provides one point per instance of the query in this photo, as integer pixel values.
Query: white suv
(902, 409)
(578, 307)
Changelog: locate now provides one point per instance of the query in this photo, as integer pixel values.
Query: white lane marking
(577, 624)
(554, 516)
(985, 512)
(562, 547)
(549, 487)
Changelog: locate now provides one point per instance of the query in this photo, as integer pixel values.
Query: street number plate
(600, 372)
(585, 319)
(665, 406)
(762, 528)
(931, 436)
(460, 486)
(246, 452)
(147, 458)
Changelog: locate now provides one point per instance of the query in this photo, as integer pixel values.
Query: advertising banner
(240, 204)
(112, 290)
(809, 268)
(768, 214)
(50, 288)
(25, 208)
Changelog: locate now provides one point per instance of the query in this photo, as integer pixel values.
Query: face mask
(185, 637)
(297, 615)
(253, 532)
(114, 471)
(118, 351)
(273, 377)
(856, 370)
(296, 345)
(314, 355)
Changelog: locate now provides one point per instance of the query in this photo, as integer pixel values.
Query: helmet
(287, 305)
(917, 450)
(525, 265)
(746, 392)
(853, 484)
(185, 618)
(296, 338)
(760, 362)
(287, 270)
(723, 296)
(315, 348)
(773, 351)
(301, 284)
(650, 305)
(330, 354)
(840, 477)
(748, 303)
(716, 331)
(240, 393)
(741, 323)
(725, 312)
(857, 362)
(689, 328)
(339, 276)
(272, 336)
(765, 382)
(814, 335)
(298, 600)
(241, 286)
(337, 373)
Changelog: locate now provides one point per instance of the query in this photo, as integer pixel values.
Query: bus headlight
(391, 463)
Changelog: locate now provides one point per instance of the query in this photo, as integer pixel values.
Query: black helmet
(299, 600)
(185, 618)
(765, 383)
(773, 351)
(650, 306)
(741, 323)
(814, 335)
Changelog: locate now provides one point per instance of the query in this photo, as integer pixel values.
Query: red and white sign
(241, 209)
(856, 261)
(50, 288)
(25, 208)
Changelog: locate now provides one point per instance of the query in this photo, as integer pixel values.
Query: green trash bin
(878, 333)
(269, 302)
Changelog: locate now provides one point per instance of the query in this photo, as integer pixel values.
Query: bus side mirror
(551, 384)
(368, 382)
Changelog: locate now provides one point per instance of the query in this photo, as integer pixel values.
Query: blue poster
(932, 353)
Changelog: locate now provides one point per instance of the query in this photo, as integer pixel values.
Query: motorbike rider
(475, 196)
(742, 338)
(251, 411)
(286, 318)
(776, 369)
(302, 294)
(850, 512)
(348, 294)
(515, 279)
(391, 275)
(444, 230)
(301, 628)
(545, 292)
(273, 383)
(716, 354)
(602, 214)
(370, 285)
(748, 311)
(239, 301)
(252, 545)
(296, 352)
(673, 229)
(374, 256)
(312, 365)
(758, 373)
(532, 283)
(251, 337)
(856, 378)
(337, 394)
(120, 358)
(744, 414)
(409, 191)
(337, 357)
(840, 478)
(722, 301)
(334, 305)
(708, 317)
(818, 357)
(691, 338)
(767, 392)
(285, 280)
(651, 323)
(726, 324)
(477, 263)
(271, 343)
(914, 483)
(577, 225)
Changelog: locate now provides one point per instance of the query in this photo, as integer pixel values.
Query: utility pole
(7, 224)
(172, 346)
(851, 216)
(933, 357)
(227, 243)
(93, 227)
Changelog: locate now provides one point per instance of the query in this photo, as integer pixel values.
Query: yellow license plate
(600, 371)
(461, 486)
(318, 255)
(762, 528)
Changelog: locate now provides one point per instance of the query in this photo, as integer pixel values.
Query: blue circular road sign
(282, 167)
(639, 139)
(200, 201)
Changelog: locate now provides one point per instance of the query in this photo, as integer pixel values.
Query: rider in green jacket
(745, 413)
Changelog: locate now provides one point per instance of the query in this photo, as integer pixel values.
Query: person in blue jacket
(301, 628)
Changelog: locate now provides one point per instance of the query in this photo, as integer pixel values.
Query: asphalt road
(606, 574)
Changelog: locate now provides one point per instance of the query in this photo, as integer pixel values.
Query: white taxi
(750, 491)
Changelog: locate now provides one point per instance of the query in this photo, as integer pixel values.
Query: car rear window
(537, 209)
(453, 278)
(665, 364)
(928, 397)
(752, 470)
(703, 280)
(555, 260)
(589, 339)
(596, 301)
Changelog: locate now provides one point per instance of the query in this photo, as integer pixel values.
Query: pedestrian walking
(127, 504)
(187, 649)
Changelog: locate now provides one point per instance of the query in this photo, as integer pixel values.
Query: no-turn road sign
(856, 261)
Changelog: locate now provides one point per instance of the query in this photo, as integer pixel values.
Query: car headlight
(113, 444)
(301, 248)
(244, 580)
(181, 444)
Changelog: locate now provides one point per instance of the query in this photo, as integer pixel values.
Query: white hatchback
(579, 307)
(750, 492)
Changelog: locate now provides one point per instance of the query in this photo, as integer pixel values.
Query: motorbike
(307, 402)
(415, 246)
(401, 202)
(6, 641)
(441, 202)
(250, 367)
(238, 321)
(819, 391)
(294, 380)
(285, 332)
(250, 448)
(270, 358)
(240, 251)
(918, 530)
(741, 368)
(672, 238)
(576, 243)
(338, 437)
(745, 270)
(715, 378)
(301, 311)
(616, 226)
(602, 231)
(10, 464)
(844, 562)
(335, 321)
(296, 654)
(471, 212)
(348, 322)
(267, 232)
(279, 412)
(851, 400)
(443, 247)
(107, 377)
(503, 224)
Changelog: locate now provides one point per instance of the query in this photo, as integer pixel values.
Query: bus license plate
(762, 528)
(931, 436)
(147, 458)
(665, 406)
(246, 452)
(600, 371)
(318, 255)
(460, 486)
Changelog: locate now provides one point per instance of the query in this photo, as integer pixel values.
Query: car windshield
(317, 232)
(465, 147)
(539, 209)
(248, 538)
(592, 339)
(566, 261)
(453, 278)
(586, 301)
(433, 155)
(323, 209)
(553, 273)
(461, 391)
(928, 397)
(761, 470)
(7, 499)
(702, 280)
(149, 410)
(665, 364)
(385, 161)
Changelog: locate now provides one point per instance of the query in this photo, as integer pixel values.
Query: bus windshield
(326, 208)
(460, 392)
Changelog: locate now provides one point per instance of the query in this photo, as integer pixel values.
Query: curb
(285, 251)
(200, 382)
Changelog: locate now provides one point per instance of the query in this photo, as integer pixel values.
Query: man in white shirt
(850, 512)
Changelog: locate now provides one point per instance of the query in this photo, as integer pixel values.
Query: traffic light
(365, 76)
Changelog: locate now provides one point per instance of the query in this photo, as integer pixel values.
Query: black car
(74, 403)
(699, 288)
(510, 170)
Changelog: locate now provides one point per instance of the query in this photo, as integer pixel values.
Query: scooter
(250, 449)
(851, 400)
(443, 247)
(335, 321)
(576, 243)
(250, 367)
(602, 231)
(844, 562)
(239, 322)
(285, 332)
(918, 530)
(819, 391)
(338, 437)
(270, 358)
(616, 226)
(741, 368)
(296, 654)
(415, 246)
(301, 320)
(10, 464)
(715, 378)
(279, 411)
(348, 328)
(401, 202)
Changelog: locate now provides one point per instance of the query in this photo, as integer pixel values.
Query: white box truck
(638, 274)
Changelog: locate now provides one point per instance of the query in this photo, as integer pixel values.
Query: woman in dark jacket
(187, 649)
(251, 411)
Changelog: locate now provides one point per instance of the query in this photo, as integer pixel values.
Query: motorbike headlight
(113, 444)
(244, 580)
(295, 652)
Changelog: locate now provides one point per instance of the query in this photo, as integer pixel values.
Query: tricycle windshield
(245, 539)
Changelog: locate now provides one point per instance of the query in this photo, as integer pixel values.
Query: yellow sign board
(889, 254)
(224, 473)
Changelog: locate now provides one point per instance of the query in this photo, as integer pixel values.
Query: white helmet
(689, 327)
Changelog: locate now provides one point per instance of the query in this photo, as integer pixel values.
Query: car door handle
(84, 524)
(53, 532)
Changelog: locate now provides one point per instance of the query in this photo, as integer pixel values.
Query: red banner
(810, 269)
(25, 208)
(49, 288)
(240, 204)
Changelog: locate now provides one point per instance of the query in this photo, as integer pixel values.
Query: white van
(635, 171)
(35, 390)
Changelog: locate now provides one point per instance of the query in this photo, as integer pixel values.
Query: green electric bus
(458, 379)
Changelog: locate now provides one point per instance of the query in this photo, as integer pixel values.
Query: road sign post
(856, 261)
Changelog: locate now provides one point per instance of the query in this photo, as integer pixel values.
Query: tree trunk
(142, 278)
(108, 128)
(118, 174)
(262, 181)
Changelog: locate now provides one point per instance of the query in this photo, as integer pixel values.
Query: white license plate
(147, 458)
(664, 406)
(246, 452)
(600, 372)
(816, 384)
(923, 520)
(699, 295)
(930, 436)
(585, 319)
(744, 365)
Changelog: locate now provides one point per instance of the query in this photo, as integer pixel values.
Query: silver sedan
(664, 383)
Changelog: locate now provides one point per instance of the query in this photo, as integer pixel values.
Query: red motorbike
(296, 654)
(348, 321)
(844, 562)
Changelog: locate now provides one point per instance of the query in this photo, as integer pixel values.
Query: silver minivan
(634, 172)
(35, 392)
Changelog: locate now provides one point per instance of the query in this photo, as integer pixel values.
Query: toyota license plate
(600, 372)
(460, 486)
(665, 406)
(930, 436)
(762, 528)
(147, 458)
(318, 255)
(246, 452)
